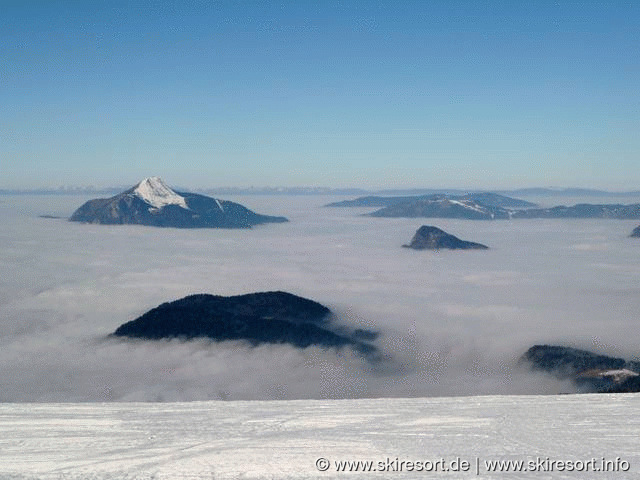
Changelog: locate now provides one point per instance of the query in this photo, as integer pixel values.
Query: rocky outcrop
(432, 238)
(590, 372)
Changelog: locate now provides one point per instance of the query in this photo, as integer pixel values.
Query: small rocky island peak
(432, 238)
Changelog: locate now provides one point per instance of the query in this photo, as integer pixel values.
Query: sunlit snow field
(282, 440)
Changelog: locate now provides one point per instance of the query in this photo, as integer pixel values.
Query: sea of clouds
(451, 322)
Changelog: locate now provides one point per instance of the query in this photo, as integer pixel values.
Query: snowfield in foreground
(568, 436)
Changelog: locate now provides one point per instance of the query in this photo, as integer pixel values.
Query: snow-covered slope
(441, 206)
(300, 439)
(153, 203)
(155, 192)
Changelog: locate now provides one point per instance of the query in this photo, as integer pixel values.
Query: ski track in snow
(283, 439)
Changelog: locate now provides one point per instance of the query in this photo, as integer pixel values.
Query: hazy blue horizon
(491, 95)
(347, 190)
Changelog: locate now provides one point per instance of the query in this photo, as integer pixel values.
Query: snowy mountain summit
(152, 202)
(155, 192)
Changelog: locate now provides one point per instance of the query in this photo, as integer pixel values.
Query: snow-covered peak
(156, 193)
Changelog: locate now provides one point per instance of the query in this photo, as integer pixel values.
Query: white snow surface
(157, 193)
(469, 205)
(623, 371)
(616, 375)
(284, 439)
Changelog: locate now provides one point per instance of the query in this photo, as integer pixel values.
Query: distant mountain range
(538, 192)
(442, 206)
(153, 203)
(542, 192)
(590, 372)
(257, 318)
(483, 206)
(583, 210)
(432, 238)
(485, 198)
(568, 192)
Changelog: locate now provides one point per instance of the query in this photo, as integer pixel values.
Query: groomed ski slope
(291, 439)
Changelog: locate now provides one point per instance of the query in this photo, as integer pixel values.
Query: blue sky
(482, 94)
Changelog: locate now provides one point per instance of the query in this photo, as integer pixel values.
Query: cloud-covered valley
(451, 323)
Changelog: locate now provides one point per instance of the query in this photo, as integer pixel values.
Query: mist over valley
(449, 322)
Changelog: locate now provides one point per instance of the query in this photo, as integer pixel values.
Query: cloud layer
(452, 323)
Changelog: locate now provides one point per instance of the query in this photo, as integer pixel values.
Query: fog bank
(451, 323)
